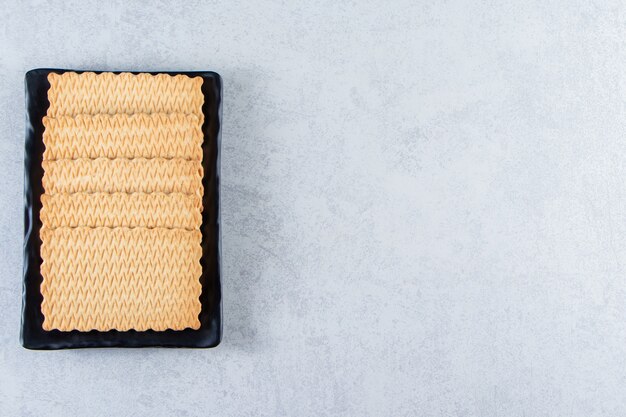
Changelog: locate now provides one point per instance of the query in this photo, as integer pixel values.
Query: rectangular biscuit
(71, 94)
(166, 135)
(120, 278)
(123, 175)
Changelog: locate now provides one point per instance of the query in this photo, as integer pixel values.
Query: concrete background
(423, 206)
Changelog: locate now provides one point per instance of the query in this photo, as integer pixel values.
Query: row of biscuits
(122, 202)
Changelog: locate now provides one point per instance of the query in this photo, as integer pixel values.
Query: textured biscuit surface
(174, 210)
(122, 175)
(73, 94)
(122, 202)
(173, 135)
(120, 278)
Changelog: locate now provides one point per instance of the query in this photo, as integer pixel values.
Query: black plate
(210, 332)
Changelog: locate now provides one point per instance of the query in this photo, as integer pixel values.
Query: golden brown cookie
(165, 135)
(72, 94)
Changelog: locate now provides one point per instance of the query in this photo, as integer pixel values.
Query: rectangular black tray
(210, 332)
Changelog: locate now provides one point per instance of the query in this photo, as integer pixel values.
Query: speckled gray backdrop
(424, 208)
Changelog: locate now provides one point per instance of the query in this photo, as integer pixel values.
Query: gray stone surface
(423, 208)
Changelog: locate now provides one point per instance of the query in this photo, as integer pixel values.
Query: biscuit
(165, 135)
(72, 94)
